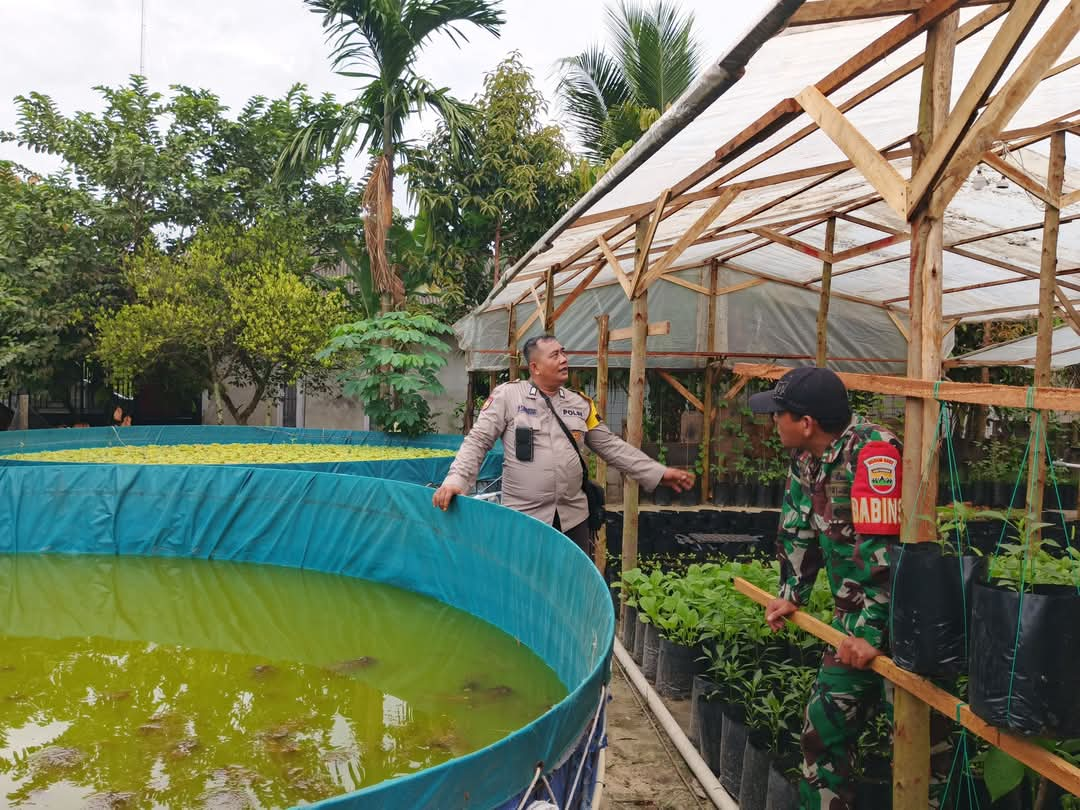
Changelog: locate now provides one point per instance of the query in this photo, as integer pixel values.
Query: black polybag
(1027, 681)
(931, 606)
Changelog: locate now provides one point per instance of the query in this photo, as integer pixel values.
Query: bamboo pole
(826, 291)
(911, 727)
(1044, 339)
(635, 410)
(1034, 756)
(602, 330)
(549, 300)
(710, 372)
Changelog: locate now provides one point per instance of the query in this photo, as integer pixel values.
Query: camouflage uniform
(818, 527)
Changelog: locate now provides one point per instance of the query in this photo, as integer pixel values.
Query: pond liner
(732, 746)
(650, 652)
(676, 667)
(931, 607)
(754, 784)
(503, 567)
(782, 794)
(1023, 674)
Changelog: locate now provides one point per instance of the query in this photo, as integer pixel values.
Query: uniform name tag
(573, 412)
(875, 493)
(526, 410)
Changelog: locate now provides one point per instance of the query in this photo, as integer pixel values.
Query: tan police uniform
(552, 480)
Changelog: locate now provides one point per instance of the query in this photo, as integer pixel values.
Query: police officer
(842, 511)
(542, 470)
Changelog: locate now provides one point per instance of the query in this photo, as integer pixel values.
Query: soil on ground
(644, 770)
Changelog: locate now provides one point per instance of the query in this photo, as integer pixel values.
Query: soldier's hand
(857, 652)
(678, 480)
(776, 612)
(443, 495)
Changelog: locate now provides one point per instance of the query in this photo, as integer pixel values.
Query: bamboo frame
(826, 289)
(686, 393)
(602, 332)
(627, 333)
(1035, 757)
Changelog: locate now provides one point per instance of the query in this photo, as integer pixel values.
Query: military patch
(875, 493)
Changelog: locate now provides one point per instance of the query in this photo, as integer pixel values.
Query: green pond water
(149, 682)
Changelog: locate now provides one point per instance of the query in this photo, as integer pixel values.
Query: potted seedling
(692, 496)
(662, 495)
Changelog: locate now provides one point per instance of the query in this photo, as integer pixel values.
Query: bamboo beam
(793, 244)
(1005, 396)
(579, 289)
(992, 64)
(687, 394)
(650, 234)
(1036, 757)
(600, 552)
(818, 12)
(635, 411)
(1044, 339)
(881, 174)
(899, 324)
(1072, 198)
(710, 372)
(627, 333)
(870, 247)
(826, 289)
(549, 300)
(689, 236)
(537, 313)
(1006, 103)
(687, 284)
(613, 262)
(1020, 177)
(1071, 315)
(739, 385)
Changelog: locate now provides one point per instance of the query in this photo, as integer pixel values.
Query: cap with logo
(807, 391)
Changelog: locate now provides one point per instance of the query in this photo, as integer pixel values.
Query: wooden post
(1044, 340)
(511, 344)
(22, 418)
(549, 300)
(826, 291)
(466, 424)
(635, 408)
(602, 331)
(911, 717)
(710, 383)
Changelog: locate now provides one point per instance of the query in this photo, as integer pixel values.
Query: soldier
(841, 510)
(542, 470)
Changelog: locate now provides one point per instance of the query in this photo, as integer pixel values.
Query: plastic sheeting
(978, 283)
(506, 568)
(1064, 351)
(415, 471)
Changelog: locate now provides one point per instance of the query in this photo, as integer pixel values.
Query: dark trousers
(580, 534)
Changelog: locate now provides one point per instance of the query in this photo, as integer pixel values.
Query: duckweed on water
(284, 453)
(148, 682)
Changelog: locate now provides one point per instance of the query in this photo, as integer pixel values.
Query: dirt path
(644, 771)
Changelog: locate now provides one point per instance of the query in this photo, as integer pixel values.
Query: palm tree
(379, 41)
(612, 99)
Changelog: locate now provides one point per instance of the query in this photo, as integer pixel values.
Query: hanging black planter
(931, 607)
(1023, 672)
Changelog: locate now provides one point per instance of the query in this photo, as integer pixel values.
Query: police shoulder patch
(875, 492)
(487, 404)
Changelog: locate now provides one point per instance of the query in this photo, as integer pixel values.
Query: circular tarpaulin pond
(505, 568)
(417, 470)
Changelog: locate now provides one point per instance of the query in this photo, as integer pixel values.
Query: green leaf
(1002, 773)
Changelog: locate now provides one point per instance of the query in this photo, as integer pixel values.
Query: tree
(55, 271)
(379, 41)
(489, 201)
(233, 307)
(391, 360)
(612, 99)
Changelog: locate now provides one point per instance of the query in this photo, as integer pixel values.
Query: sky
(241, 48)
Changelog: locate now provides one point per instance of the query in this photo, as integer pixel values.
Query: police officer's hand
(443, 495)
(776, 612)
(678, 480)
(857, 652)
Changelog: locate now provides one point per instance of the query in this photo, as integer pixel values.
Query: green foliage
(391, 360)
(233, 307)
(612, 98)
(493, 197)
(998, 460)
